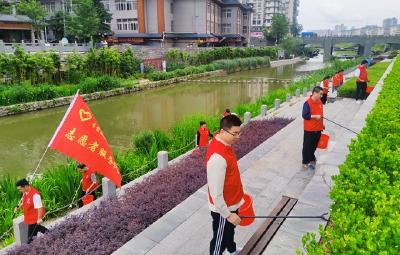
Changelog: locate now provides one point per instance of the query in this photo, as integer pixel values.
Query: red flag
(79, 136)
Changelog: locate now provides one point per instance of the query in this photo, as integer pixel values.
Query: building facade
(179, 22)
(264, 10)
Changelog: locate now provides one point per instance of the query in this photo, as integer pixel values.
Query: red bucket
(246, 210)
(87, 199)
(369, 89)
(323, 141)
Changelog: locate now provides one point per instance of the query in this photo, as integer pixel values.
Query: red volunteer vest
(325, 86)
(30, 213)
(336, 80)
(87, 181)
(316, 109)
(233, 188)
(204, 133)
(363, 74)
(341, 77)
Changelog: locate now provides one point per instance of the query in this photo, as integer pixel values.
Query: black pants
(324, 98)
(310, 143)
(33, 230)
(83, 193)
(361, 92)
(223, 237)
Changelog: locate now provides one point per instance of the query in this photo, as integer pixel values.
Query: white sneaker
(358, 102)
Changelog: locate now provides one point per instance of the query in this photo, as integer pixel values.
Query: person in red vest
(89, 182)
(313, 125)
(341, 77)
(203, 134)
(335, 81)
(362, 80)
(226, 113)
(325, 89)
(34, 210)
(225, 189)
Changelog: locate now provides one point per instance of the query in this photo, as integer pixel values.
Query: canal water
(24, 137)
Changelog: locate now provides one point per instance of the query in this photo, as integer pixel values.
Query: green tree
(85, 22)
(291, 45)
(35, 12)
(279, 28)
(104, 17)
(56, 24)
(295, 29)
(5, 8)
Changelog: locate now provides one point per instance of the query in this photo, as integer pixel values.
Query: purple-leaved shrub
(104, 229)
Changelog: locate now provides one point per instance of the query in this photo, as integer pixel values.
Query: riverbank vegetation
(44, 76)
(364, 216)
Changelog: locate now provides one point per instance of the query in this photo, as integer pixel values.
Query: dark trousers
(310, 143)
(361, 92)
(83, 193)
(223, 237)
(33, 230)
(324, 98)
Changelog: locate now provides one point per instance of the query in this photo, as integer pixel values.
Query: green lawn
(375, 72)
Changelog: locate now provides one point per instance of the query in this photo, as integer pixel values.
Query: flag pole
(63, 120)
(58, 128)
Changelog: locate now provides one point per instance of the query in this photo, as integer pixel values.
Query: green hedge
(374, 74)
(16, 94)
(229, 65)
(365, 216)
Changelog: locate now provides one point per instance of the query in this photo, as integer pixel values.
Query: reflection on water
(24, 137)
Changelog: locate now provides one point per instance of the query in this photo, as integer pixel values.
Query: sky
(325, 14)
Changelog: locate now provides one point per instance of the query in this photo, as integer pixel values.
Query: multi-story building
(180, 22)
(264, 10)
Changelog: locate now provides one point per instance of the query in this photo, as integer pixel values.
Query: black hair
(341, 70)
(317, 89)
(22, 183)
(228, 110)
(364, 62)
(230, 121)
(326, 77)
(81, 166)
(202, 123)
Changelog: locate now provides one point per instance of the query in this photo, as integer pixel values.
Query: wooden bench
(264, 234)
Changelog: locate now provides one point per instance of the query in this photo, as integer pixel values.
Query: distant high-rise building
(387, 23)
(264, 10)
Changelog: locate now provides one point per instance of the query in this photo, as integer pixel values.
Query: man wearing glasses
(225, 190)
(313, 125)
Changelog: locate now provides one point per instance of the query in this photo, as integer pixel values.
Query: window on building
(125, 5)
(127, 24)
(245, 16)
(172, 8)
(227, 13)
(245, 30)
(226, 28)
(50, 7)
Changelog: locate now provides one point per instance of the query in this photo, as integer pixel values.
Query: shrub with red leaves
(104, 229)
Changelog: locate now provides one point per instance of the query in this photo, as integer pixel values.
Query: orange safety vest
(30, 212)
(204, 133)
(325, 86)
(87, 181)
(341, 78)
(336, 80)
(233, 188)
(315, 109)
(363, 74)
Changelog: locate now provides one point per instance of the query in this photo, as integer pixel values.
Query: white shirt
(37, 201)
(216, 170)
(357, 72)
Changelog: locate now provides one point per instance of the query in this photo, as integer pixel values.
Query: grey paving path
(271, 170)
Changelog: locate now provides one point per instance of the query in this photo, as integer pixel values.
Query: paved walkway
(271, 170)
